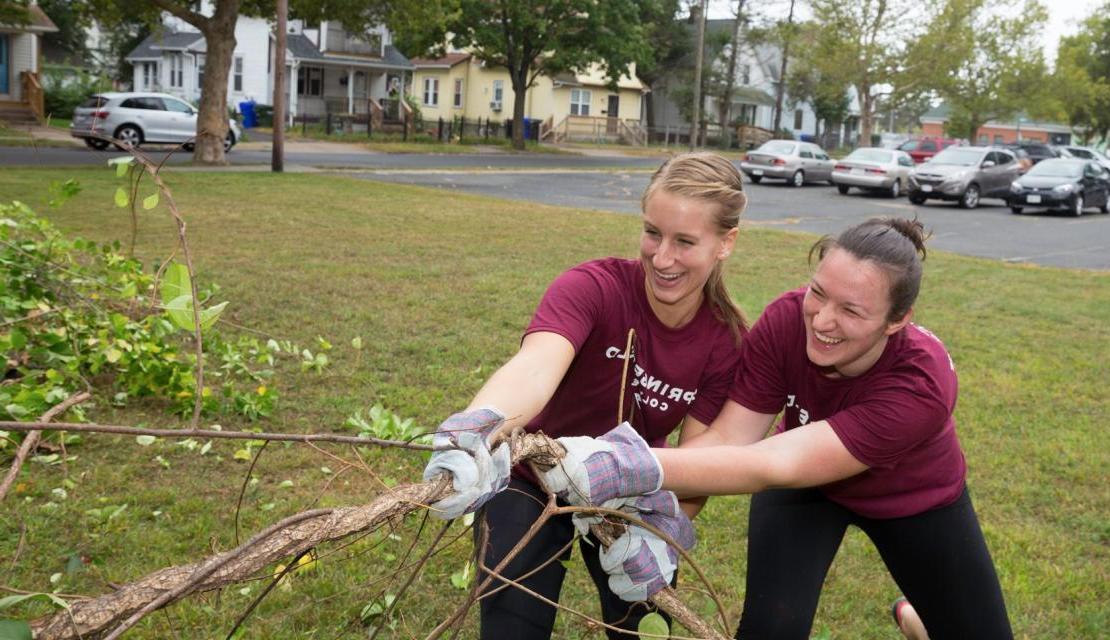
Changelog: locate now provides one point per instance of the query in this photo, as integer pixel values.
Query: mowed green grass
(439, 286)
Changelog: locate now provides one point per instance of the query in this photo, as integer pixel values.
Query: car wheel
(1016, 210)
(1105, 208)
(129, 136)
(189, 146)
(798, 179)
(755, 179)
(917, 198)
(843, 189)
(1077, 205)
(970, 198)
(96, 144)
(832, 182)
(229, 141)
(895, 189)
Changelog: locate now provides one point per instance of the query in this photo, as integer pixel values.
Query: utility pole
(277, 158)
(701, 9)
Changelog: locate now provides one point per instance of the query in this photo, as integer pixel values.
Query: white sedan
(873, 169)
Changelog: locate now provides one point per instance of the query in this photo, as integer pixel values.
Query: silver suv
(965, 175)
(139, 117)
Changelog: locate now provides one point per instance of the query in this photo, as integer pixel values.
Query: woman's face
(679, 247)
(845, 311)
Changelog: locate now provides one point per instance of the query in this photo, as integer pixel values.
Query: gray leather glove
(640, 563)
(477, 473)
(594, 470)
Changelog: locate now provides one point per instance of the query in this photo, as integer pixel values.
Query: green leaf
(122, 199)
(11, 601)
(15, 630)
(653, 624)
(356, 342)
(180, 311)
(175, 283)
(150, 201)
(145, 441)
(121, 163)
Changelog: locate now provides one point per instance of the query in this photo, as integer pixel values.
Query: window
(745, 74)
(747, 113)
(798, 115)
(149, 104)
(200, 71)
(805, 153)
(579, 102)
(431, 92)
(310, 81)
(498, 90)
(177, 106)
(177, 70)
(150, 75)
(237, 78)
(458, 92)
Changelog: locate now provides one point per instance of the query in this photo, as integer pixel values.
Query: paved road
(614, 183)
(990, 231)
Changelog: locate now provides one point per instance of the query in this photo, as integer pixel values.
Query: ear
(895, 327)
(728, 241)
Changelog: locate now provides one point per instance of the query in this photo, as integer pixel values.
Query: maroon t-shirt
(896, 418)
(672, 373)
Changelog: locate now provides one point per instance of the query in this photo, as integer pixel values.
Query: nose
(664, 255)
(824, 319)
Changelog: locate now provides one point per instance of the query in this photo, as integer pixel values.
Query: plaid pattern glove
(615, 465)
(640, 563)
(477, 473)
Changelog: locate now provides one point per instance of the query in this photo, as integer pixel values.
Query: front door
(613, 112)
(4, 70)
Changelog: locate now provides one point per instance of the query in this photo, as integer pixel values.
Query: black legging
(512, 613)
(938, 559)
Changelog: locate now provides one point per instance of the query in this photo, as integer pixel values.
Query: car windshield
(775, 146)
(962, 157)
(1080, 153)
(1052, 169)
(909, 145)
(870, 155)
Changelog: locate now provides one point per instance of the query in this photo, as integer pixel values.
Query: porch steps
(17, 114)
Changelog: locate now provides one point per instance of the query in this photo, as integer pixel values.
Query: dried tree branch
(32, 439)
(109, 615)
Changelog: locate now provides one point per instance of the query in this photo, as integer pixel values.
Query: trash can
(249, 118)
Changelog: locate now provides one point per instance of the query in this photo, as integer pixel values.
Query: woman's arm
(522, 386)
(735, 425)
(806, 456)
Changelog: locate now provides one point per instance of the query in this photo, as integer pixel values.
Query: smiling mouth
(827, 340)
(667, 277)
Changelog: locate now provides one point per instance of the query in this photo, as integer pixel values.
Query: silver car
(871, 169)
(139, 117)
(965, 175)
(795, 162)
(1084, 153)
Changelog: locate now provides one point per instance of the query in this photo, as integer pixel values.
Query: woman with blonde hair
(669, 317)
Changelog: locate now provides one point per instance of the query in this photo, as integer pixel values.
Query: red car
(923, 149)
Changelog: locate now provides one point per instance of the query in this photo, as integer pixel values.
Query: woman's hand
(477, 474)
(615, 465)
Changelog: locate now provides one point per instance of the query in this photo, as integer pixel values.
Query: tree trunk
(699, 54)
(865, 108)
(519, 79)
(212, 119)
(725, 104)
(780, 89)
(277, 152)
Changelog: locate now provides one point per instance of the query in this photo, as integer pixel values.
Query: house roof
(159, 41)
(595, 77)
(445, 62)
(302, 48)
(751, 95)
(37, 21)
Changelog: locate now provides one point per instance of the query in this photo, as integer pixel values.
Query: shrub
(64, 88)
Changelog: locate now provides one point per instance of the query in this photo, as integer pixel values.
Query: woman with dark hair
(867, 438)
(653, 341)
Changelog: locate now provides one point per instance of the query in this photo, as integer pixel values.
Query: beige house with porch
(569, 106)
(20, 64)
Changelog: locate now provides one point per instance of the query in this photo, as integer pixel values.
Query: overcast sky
(1063, 17)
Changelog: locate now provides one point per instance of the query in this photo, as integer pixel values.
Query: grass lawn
(439, 286)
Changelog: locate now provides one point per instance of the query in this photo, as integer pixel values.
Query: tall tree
(786, 36)
(72, 20)
(533, 37)
(865, 44)
(670, 47)
(1081, 83)
(724, 102)
(14, 12)
(1001, 72)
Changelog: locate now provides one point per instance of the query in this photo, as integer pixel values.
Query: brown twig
(32, 439)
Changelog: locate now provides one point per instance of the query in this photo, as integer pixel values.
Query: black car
(1062, 183)
(1037, 151)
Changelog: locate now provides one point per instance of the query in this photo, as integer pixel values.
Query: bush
(64, 88)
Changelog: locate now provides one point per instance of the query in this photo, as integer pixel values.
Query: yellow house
(569, 106)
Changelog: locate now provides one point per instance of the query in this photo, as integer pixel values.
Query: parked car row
(135, 118)
(961, 174)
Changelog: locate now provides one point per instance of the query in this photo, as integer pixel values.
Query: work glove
(594, 470)
(640, 563)
(477, 474)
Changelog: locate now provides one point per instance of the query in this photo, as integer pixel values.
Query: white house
(327, 69)
(20, 64)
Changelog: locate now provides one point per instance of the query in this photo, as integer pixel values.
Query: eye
(816, 293)
(651, 232)
(686, 242)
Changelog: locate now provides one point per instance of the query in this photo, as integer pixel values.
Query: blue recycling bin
(250, 118)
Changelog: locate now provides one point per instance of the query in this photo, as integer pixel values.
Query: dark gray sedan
(1062, 183)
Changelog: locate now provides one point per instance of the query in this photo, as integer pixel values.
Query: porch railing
(32, 94)
(596, 129)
